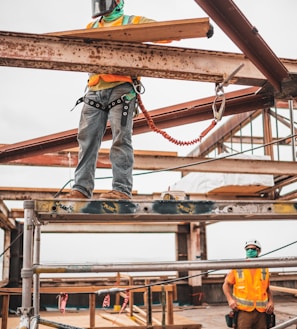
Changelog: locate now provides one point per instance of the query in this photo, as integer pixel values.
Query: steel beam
(181, 164)
(181, 114)
(147, 60)
(166, 211)
(247, 38)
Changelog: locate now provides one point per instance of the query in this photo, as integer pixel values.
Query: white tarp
(206, 182)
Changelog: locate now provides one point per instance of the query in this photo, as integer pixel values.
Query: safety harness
(138, 89)
(124, 99)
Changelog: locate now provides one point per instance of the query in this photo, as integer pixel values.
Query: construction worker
(251, 296)
(109, 97)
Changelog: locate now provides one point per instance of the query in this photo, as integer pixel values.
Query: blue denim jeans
(91, 130)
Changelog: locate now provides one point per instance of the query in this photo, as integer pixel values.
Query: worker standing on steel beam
(109, 97)
(251, 301)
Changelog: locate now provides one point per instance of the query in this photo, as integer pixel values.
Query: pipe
(285, 324)
(36, 279)
(292, 126)
(167, 266)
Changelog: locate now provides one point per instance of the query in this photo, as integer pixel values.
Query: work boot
(114, 195)
(73, 194)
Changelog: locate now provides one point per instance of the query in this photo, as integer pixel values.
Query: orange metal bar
(233, 22)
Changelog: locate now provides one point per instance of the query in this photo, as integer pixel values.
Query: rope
(165, 134)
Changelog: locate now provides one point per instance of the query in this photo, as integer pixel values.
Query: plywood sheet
(149, 32)
(239, 189)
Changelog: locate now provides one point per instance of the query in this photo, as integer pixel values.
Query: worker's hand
(232, 304)
(269, 307)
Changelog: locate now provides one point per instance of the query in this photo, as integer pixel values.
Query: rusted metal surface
(6, 222)
(147, 60)
(169, 211)
(194, 111)
(246, 36)
(180, 164)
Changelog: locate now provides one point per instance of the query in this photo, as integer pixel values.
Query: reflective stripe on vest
(250, 290)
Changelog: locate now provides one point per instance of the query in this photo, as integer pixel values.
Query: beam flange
(147, 60)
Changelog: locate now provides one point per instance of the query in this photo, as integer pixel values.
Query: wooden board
(149, 32)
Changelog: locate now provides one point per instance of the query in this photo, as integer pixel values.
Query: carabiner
(138, 87)
(220, 95)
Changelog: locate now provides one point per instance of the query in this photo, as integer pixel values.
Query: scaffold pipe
(286, 324)
(167, 266)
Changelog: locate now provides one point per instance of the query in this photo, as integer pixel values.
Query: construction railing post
(36, 278)
(149, 321)
(163, 304)
(27, 272)
(169, 304)
(92, 309)
(5, 311)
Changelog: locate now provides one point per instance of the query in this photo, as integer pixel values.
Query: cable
(115, 290)
(280, 248)
(189, 164)
(4, 251)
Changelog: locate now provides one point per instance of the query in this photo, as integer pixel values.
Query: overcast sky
(35, 103)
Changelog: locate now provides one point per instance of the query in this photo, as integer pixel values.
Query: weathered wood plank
(149, 32)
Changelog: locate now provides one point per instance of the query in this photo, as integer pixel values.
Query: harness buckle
(138, 87)
(124, 99)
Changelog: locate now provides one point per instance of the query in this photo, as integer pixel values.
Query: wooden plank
(149, 32)
(5, 311)
(143, 315)
(119, 321)
(82, 289)
(172, 326)
(284, 289)
(92, 308)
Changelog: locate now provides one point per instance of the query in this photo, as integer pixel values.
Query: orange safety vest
(250, 289)
(95, 78)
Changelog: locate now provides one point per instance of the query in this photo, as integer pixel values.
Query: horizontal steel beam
(110, 228)
(200, 265)
(166, 211)
(172, 163)
(189, 112)
(147, 60)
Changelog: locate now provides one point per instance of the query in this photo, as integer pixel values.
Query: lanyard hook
(220, 95)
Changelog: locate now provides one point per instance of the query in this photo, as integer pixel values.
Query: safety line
(188, 276)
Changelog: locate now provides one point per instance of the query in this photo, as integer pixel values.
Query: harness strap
(99, 106)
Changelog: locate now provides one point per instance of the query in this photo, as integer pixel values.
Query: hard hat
(254, 242)
(103, 7)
